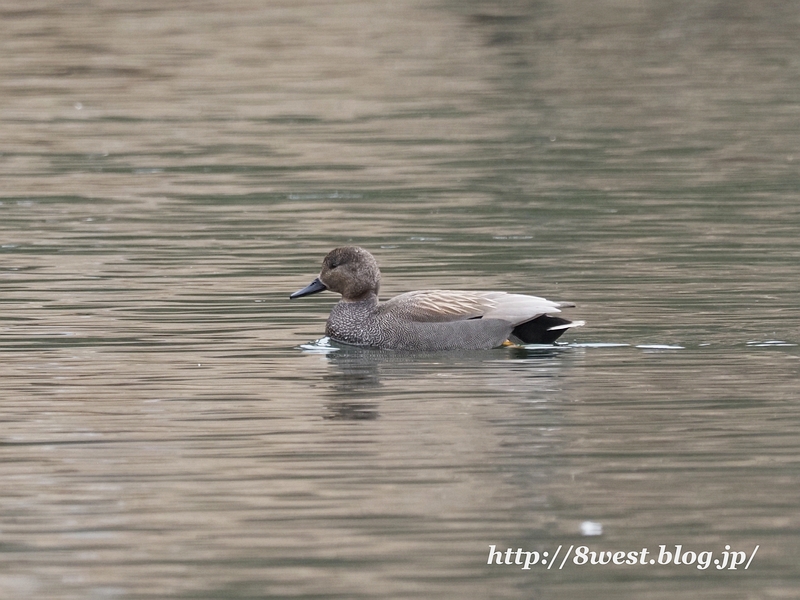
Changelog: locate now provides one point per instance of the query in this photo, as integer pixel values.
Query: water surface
(171, 428)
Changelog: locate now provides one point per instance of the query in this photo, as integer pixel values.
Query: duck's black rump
(540, 330)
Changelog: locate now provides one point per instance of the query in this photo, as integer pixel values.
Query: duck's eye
(334, 265)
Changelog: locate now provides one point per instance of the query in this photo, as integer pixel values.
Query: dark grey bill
(312, 288)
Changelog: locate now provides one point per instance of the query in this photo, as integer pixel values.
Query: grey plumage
(427, 319)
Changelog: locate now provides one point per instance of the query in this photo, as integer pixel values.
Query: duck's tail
(544, 329)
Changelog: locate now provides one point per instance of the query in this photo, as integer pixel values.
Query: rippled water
(172, 428)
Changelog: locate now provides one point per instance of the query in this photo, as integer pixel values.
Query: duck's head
(350, 271)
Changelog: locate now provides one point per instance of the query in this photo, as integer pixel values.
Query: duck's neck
(369, 299)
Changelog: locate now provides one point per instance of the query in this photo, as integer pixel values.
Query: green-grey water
(172, 428)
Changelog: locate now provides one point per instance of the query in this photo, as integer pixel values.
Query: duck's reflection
(357, 376)
(354, 378)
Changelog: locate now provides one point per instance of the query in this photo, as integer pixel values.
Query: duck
(427, 320)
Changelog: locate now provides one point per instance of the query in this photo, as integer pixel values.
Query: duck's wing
(453, 305)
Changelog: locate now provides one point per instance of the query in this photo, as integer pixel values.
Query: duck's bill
(312, 288)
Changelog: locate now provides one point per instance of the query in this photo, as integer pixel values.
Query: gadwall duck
(428, 319)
